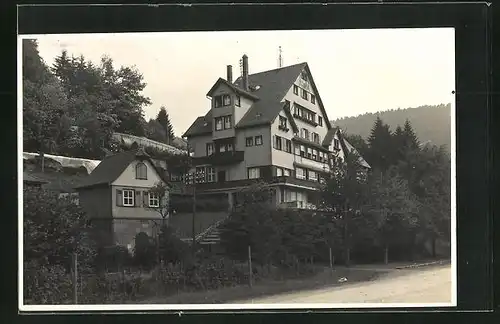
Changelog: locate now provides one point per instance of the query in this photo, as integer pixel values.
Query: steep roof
(113, 166)
(272, 87)
(233, 87)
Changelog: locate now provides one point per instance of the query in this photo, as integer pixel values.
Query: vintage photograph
(248, 169)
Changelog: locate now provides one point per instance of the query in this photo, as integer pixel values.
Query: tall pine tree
(164, 119)
(410, 139)
(398, 142)
(380, 154)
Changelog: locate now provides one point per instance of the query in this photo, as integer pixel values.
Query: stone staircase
(211, 235)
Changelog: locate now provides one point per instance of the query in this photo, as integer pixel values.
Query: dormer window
(141, 171)
(222, 101)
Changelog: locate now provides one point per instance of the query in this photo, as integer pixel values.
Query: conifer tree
(380, 154)
(164, 119)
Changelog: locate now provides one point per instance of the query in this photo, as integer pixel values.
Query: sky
(356, 71)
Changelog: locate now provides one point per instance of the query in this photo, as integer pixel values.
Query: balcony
(220, 158)
(296, 205)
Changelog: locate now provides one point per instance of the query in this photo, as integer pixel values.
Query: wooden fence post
(75, 278)
(250, 272)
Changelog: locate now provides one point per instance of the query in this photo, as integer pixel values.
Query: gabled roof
(273, 86)
(113, 166)
(327, 140)
(269, 87)
(232, 87)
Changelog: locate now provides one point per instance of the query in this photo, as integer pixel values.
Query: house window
(313, 99)
(300, 173)
(296, 110)
(141, 171)
(210, 148)
(304, 133)
(309, 153)
(304, 94)
(218, 124)
(282, 122)
(154, 199)
(229, 147)
(295, 89)
(128, 196)
(225, 147)
(237, 101)
(217, 101)
(315, 137)
(302, 150)
(297, 149)
(336, 144)
(249, 141)
(312, 175)
(279, 172)
(258, 140)
(210, 174)
(288, 146)
(320, 121)
(286, 172)
(226, 100)
(253, 173)
(277, 143)
(227, 122)
(314, 154)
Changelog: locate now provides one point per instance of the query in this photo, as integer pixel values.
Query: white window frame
(141, 166)
(301, 174)
(295, 89)
(128, 197)
(313, 99)
(210, 171)
(216, 98)
(237, 101)
(219, 123)
(258, 140)
(249, 141)
(227, 122)
(226, 100)
(253, 173)
(210, 148)
(279, 172)
(320, 121)
(153, 199)
(286, 172)
(288, 146)
(312, 175)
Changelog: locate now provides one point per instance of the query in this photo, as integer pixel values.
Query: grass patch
(266, 288)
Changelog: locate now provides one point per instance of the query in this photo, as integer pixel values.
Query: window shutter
(145, 198)
(137, 200)
(119, 197)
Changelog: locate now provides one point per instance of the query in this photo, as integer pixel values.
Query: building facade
(269, 126)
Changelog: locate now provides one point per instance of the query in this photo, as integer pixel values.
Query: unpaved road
(421, 285)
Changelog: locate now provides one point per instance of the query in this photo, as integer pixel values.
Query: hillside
(431, 123)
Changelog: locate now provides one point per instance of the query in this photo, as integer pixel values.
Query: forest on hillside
(432, 124)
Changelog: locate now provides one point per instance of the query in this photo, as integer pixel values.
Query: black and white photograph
(237, 170)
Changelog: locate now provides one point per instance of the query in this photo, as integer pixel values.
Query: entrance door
(221, 176)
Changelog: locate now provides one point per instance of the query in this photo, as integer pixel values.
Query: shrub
(144, 251)
(113, 258)
(46, 284)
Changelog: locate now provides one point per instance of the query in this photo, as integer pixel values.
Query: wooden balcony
(222, 158)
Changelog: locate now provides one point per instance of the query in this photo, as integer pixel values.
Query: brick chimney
(245, 73)
(229, 74)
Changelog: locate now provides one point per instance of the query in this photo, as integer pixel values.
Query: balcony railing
(221, 158)
(296, 204)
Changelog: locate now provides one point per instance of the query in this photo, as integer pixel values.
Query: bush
(46, 284)
(113, 258)
(145, 251)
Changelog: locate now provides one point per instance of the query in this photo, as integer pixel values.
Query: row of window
(208, 172)
(306, 115)
(128, 198)
(221, 148)
(282, 144)
(313, 137)
(304, 94)
(225, 100)
(311, 153)
(305, 174)
(253, 140)
(223, 122)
